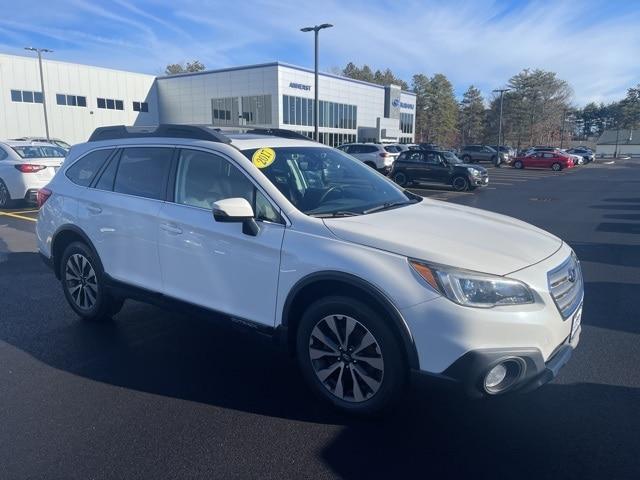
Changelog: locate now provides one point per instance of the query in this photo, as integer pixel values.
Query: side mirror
(236, 210)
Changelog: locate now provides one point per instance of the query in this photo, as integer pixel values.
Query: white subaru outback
(367, 284)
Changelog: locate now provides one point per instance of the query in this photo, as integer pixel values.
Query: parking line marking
(26, 211)
(21, 217)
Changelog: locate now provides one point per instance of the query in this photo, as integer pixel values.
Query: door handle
(94, 209)
(169, 228)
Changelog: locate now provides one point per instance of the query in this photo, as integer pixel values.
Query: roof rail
(279, 132)
(195, 132)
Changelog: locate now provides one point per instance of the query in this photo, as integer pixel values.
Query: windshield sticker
(263, 157)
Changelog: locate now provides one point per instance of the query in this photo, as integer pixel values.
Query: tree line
(537, 109)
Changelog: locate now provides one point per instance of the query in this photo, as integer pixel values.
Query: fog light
(503, 376)
(495, 376)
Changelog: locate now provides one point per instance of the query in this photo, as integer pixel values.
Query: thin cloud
(482, 42)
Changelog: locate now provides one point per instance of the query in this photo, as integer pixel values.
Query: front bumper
(469, 371)
(481, 181)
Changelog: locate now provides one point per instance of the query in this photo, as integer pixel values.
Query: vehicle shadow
(546, 434)
(433, 434)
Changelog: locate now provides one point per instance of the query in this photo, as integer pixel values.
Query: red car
(554, 160)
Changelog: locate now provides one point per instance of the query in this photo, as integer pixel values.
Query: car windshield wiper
(386, 206)
(339, 213)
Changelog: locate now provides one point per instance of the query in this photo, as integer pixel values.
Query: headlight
(473, 289)
(474, 171)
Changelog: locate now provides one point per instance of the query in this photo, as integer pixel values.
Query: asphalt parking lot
(158, 394)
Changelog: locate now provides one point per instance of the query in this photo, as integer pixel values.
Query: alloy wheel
(556, 167)
(346, 358)
(460, 184)
(81, 281)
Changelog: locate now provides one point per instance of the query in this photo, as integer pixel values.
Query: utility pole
(316, 29)
(501, 91)
(40, 51)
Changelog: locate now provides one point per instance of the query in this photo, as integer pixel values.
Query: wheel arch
(321, 284)
(63, 236)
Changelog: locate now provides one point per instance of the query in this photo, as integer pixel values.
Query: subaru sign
(300, 86)
(398, 104)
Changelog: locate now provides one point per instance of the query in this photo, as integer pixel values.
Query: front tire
(467, 159)
(460, 183)
(401, 179)
(556, 167)
(518, 164)
(349, 356)
(84, 284)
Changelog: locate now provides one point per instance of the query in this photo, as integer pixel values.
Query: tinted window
(368, 149)
(413, 157)
(83, 171)
(110, 104)
(431, 157)
(27, 97)
(119, 105)
(143, 172)
(71, 100)
(40, 151)
(102, 103)
(3, 154)
(82, 101)
(37, 97)
(16, 95)
(108, 176)
(144, 107)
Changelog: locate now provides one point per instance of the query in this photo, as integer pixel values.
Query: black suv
(437, 166)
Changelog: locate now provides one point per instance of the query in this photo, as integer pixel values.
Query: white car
(367, 284)
(375, 155)
(577, 159)
(25, 167)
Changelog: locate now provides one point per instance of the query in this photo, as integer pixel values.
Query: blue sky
(593, 44)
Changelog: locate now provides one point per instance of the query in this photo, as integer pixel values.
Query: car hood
(470, 165)
(448, 234)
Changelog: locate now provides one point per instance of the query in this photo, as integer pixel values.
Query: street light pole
(40, 51)
(316, 29)
(501, 91)
(564, 118)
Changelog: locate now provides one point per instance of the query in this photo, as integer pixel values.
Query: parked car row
(552, 157)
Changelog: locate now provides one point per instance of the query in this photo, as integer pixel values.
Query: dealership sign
(397, 103)
(299, 86)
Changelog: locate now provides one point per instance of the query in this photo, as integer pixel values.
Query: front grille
(566, 285)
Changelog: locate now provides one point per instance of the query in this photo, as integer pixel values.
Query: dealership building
(80, 98)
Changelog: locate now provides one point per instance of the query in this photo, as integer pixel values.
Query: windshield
(322, 181)
(451, 157)
(40, 151)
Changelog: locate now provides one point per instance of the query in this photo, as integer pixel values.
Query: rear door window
(143, 172)
(82, 172)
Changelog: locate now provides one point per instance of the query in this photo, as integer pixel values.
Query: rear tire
(349, 356)
(5, 196)
(556, 167)
(467, 159)
(401, 179)
(518, 164)
(84, 284)
(460, 183)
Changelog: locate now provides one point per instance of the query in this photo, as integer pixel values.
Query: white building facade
(274, 95)
(79, 98)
